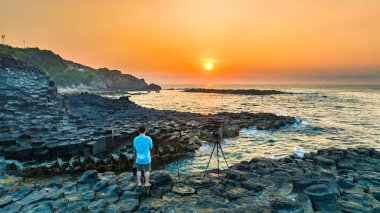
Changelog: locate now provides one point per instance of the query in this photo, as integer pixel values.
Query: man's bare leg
(147, 175)
(138, 178)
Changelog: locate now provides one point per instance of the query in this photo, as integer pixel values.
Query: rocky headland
(329, 180)
(66, 73)
(49, 133)
(236, 91)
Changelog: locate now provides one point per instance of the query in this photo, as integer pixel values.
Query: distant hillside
(67, 73)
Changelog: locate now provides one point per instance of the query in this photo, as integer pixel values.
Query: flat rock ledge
(329, 180)
(237, 91)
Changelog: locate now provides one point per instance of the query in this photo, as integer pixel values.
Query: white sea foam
(299, 124)
(74, 89)
(299, 153)
(254, 131)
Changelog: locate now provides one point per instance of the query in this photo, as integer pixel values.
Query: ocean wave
(254, 131)
(299, 124)
(299, 153)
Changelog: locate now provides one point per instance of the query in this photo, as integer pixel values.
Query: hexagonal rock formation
(260, 185)
(35, 122)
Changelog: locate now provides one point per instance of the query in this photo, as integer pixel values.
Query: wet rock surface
(53, 133)
(239, 189)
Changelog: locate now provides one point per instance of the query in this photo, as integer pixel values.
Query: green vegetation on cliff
(67, 73)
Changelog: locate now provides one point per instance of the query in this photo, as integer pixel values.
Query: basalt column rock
(258, 185)
(36, 124)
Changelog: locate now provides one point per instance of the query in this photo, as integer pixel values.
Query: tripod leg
(217, 156)
(221, 149)
(178, 170)
(209, 162)
(176, 150)
(177, 164)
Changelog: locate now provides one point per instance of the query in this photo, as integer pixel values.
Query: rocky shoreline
(329, 180)
(236, 91)
(49, 133)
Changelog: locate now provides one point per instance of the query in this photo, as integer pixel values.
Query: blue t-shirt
(142, 145)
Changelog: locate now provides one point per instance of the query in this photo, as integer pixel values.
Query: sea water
(338, 116)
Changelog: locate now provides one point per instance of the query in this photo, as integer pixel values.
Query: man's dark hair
(142, 129)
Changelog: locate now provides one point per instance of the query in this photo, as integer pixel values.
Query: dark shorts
(145, 167)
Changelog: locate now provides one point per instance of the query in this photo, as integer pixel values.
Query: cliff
(66, 73)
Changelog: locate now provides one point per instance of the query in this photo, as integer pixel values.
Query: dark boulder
(90, 176)
(252, 185)
(183, 189)
(321, 192)
(235, 193)
(153, 87)
(161, 178)
(323, 197)
(284, 205)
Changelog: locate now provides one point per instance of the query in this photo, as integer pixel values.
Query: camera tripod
(218, 147)
(176, 151)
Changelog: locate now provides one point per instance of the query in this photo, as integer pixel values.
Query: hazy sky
(244, 41)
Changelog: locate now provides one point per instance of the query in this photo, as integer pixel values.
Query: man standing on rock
(143, 144)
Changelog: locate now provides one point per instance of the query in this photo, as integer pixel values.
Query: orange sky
(168, 41)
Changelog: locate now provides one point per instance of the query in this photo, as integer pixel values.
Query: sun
(208, 66)
(208, 63)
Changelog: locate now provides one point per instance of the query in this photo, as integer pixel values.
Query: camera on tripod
(218, 148)
(216, 135)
